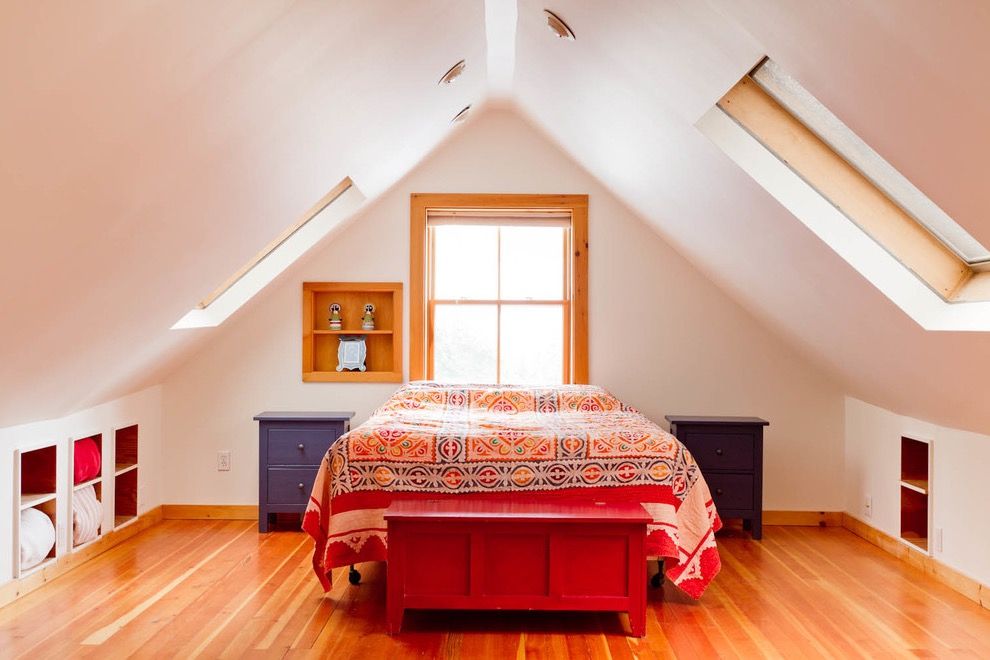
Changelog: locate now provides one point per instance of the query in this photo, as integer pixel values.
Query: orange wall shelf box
(384, 343)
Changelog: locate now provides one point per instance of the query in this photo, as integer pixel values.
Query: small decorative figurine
(368, 320)
(335, 321)
(351, 353)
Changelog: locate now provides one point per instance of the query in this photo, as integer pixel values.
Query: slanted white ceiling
(151, 148)
(906, 76)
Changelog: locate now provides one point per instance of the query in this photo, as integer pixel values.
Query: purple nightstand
(291, 446)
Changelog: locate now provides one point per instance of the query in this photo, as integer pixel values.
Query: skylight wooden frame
(311, 213)
(576, 321)
(291, 244)
(859, 199)
(803, 105)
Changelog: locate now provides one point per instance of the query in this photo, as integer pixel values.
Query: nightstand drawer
(300, 446)
(290, 485)
(719, 450)
(731, 492)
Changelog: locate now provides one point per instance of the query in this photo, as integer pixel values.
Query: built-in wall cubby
(333, 312)
(126, 465)
(35, 527)
(86, 500)
(915, 492)
(74, 489)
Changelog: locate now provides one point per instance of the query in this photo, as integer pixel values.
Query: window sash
(499, 219)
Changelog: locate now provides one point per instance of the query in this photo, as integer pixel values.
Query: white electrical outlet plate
(868, 506)
(223, 461)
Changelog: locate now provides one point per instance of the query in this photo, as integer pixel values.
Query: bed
(570, 443)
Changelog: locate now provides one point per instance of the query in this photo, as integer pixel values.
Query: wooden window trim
(576, 321)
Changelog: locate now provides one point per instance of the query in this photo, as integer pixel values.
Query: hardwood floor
(219, 589)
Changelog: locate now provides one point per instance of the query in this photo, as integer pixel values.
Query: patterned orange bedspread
(566, 443)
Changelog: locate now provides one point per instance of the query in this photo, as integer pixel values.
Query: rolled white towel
(87, 515)
(37, 536)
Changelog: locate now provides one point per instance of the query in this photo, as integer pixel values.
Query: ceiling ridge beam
(501, 18)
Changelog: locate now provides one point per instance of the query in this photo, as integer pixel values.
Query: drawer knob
(301, 446)
(302, 486)
(718, 491)
(718, 452)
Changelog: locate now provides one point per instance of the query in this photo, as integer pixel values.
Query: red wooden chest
(475, 554)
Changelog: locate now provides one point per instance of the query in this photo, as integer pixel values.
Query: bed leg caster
(657, 578)
(353, 576)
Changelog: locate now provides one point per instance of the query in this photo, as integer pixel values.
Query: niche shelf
(915, 492)
(320, 343)
(126, 466)
(96, 482)
(36, 484)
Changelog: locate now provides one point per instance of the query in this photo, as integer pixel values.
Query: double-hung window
(499, 296)
(499, 300)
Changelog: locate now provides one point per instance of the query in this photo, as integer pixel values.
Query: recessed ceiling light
(453, 73)
(460, 116)
(558, 26)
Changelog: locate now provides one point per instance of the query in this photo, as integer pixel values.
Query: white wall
(662, 337)
(960, 497)
(143, 408)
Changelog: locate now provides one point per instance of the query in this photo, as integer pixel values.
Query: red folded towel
(86, 461)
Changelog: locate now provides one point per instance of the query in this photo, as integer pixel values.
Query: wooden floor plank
(837, 597)
(807, 609)
(95, 587)
(219, 589)
(923, 613)
(173, 576)
(240, 626)
(211, 605)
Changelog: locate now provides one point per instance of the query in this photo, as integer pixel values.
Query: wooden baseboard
(210, 511)
(967, 586)
(803, 518)
(15, 589)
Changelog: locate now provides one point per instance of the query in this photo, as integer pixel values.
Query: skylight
(852, 199)
(799, 102)
(281, 253)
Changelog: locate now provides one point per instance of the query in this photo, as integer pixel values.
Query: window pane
(464, 343)
(465, 262)
(533, 263)
(532, 344)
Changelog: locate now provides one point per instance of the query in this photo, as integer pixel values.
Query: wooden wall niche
(126, 465)
(320, 343)
(915, 492)
(36, 483)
